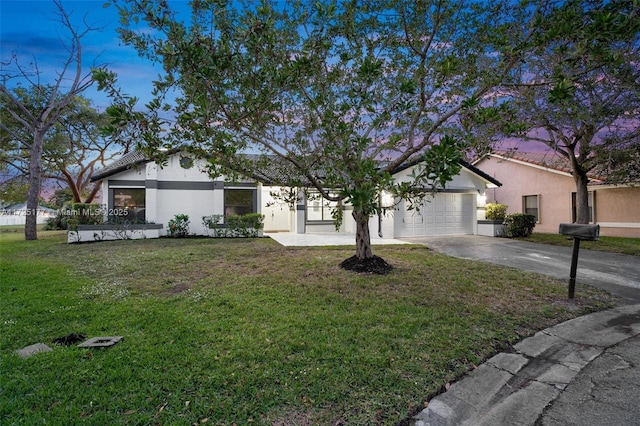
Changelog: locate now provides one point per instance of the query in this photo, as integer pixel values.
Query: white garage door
(444, 214)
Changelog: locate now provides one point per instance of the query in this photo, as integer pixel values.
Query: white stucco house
(141, 189)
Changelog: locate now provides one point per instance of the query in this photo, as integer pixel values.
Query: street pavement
(616, 273)
(585, 371)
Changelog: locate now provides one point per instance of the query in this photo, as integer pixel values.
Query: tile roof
(123, 163)
(275, 171)
(549, 159)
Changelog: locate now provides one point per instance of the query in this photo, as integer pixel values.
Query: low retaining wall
(87, 233)
(492, 228)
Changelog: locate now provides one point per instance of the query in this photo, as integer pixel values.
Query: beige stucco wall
(619, 208)
(553, 188)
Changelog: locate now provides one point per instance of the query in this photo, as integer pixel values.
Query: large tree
(72, 149)
(340, 93)
(578, 92)
(54, 92)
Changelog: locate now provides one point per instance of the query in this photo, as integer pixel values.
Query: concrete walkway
(585, 372)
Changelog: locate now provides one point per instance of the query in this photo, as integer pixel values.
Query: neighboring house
(16, 214)
(542, 184)
(139, 188)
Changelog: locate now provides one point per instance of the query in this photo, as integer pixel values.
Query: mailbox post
(578, 232)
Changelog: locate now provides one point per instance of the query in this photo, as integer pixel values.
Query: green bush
(520, 224)
(247, 225)
(81, 214)
(495, 211)
(214, 222)
(179, 226)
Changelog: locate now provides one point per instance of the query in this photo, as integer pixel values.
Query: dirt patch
(70, 339)
(371, 265)
(178, 289)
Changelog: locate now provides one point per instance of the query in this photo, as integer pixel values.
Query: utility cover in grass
(101, 342)
(33, 349)
(370, 265)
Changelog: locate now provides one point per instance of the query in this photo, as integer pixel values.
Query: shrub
(216, 223)
(246, 225)
(81, 214)
(57, 222)
(179, 226)
(495, 211)
(520, 224)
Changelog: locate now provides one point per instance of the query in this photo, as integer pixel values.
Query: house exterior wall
(177, 189)
(185, 187)
(617, 210)
(467, 183)
(278, 215)
(553, 189)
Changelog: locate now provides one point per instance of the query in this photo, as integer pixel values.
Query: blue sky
(29, 29)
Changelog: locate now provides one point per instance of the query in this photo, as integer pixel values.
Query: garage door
(444, 214)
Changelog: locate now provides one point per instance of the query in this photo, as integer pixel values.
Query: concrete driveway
(616, 273)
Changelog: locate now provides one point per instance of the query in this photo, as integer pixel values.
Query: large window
(531, 205)
(239, 202)
(573, 206)
(319, 209)
(128, 205)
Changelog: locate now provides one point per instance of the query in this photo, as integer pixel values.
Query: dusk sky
(30, 29)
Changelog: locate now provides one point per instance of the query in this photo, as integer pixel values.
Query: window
(239, 202)
(573, 206)
(531, 205)
(319, 209)
(128, 204)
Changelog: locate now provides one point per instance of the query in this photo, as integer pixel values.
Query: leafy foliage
(178, 226)
(576, 92)
(495, 211)
(519, 224)
(341, 94)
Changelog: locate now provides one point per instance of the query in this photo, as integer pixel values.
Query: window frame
(325, 209)
(254, 201)
(537, 208)
(120, 213)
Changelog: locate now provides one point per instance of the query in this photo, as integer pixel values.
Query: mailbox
(580, 231)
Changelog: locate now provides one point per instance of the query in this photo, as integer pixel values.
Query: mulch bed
(370, 265)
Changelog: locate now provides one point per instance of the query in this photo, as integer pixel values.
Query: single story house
(140, 189)
(542, 184)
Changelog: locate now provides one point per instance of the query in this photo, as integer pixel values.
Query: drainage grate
(101, 342)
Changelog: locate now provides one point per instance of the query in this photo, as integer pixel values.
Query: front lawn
(221, 331)
(630, 246)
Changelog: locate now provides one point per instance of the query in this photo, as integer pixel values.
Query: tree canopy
(49, 99)
(341, 93)
(578, 93)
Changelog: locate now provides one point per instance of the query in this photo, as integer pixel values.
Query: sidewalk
(585, 371)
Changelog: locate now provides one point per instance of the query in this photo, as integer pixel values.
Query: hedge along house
(136, 188)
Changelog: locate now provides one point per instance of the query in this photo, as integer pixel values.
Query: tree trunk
(363, 237)
(33, 196)
(582, 196)
(94, 192)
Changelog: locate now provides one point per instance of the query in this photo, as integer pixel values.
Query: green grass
(630, 246)
(223, 331)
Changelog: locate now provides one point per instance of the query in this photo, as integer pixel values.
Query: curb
(514, 388)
